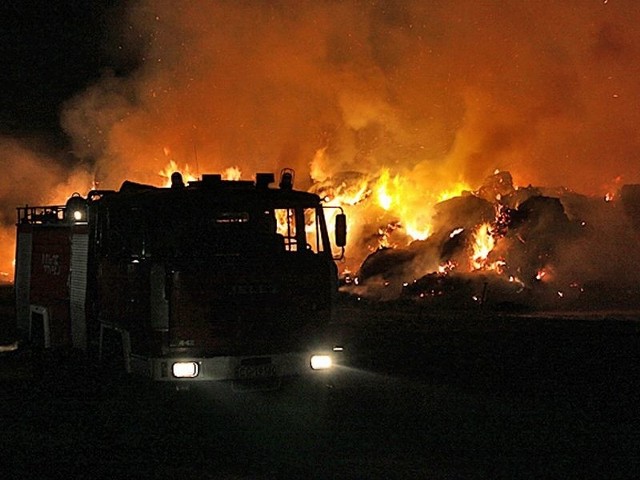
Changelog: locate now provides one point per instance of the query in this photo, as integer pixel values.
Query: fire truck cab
(214, 280)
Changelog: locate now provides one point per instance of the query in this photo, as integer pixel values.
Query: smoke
(439, 90)
(30, 175)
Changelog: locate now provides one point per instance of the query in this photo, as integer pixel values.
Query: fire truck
(213, 280)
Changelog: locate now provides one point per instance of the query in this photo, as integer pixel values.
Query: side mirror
(341, 230)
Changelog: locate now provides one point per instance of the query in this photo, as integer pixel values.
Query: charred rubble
(552, 249)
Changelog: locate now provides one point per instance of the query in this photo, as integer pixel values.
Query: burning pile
(509, 247)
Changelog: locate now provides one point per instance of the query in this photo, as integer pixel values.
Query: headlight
(185, 369)
(321, 362)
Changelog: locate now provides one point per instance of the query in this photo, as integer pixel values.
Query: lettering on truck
(51, 264)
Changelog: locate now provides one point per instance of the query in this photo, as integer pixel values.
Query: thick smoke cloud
(441, 90)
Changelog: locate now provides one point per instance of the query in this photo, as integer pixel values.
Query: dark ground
(437, 397)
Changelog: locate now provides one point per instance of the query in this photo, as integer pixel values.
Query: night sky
(50, 51)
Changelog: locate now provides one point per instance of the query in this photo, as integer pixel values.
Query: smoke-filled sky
(442, 91)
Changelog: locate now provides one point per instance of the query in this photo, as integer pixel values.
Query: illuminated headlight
(185, 369)
(77, 215)
(321, 362)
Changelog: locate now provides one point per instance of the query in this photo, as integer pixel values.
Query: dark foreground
(435, 397)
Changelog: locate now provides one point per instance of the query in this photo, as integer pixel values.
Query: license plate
(249, 372)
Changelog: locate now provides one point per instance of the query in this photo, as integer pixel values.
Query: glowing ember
(456, 232)
(447, 267)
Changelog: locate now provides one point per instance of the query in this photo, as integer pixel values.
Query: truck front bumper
(246, 370)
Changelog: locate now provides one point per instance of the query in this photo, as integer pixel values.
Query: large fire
(408, 240)
(405, 239)
(398, 112)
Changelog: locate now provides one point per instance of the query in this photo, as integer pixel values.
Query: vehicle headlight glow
(321, 362)
(185, 369)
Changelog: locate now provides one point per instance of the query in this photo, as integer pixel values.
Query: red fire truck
(212, 280)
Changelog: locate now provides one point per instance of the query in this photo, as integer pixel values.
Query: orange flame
(483, 244)
(399, 195)
(171, 168)
(232, 173)
(387, 190)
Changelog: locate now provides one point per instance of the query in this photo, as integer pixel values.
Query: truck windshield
(239, 231)
(205, 231)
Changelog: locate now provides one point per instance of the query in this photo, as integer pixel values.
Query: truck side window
(312, 231)
(286, 226)
(299, 229)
